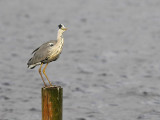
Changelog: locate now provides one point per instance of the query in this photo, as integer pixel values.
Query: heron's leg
(45, 74)
(41, 75)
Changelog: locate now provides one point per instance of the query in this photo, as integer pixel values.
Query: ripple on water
(83, 20)
(34, 110)
(14, 54)
(4, 97)
(6, 84)
(81, 119)
(59, 83)
(103, 74)
(77, 89)
(8, 110)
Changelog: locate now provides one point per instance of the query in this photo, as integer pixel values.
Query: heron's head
(61, 27)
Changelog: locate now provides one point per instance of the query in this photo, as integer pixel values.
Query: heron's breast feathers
(55, 51)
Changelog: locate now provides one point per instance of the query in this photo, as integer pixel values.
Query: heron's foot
(50, 83)
(55, 86)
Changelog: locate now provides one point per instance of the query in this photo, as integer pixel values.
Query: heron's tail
(30, 64)
(33, 65)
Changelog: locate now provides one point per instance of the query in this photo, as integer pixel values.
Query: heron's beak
(64, 29)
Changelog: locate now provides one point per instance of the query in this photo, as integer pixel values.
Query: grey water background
(109, 68)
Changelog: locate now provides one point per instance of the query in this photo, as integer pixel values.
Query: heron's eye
(51, 44)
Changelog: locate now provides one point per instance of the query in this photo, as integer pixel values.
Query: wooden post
(52, 98)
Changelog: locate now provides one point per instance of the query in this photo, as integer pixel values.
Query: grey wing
(35, 50)
(53, 42)
(41, 53)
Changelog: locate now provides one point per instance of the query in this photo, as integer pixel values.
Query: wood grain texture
(52, 99)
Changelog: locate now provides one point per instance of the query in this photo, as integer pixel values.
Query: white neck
(60, 35)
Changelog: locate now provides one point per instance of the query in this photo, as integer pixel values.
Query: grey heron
(47, 53)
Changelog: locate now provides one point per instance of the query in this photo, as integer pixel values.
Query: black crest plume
(60, 25)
